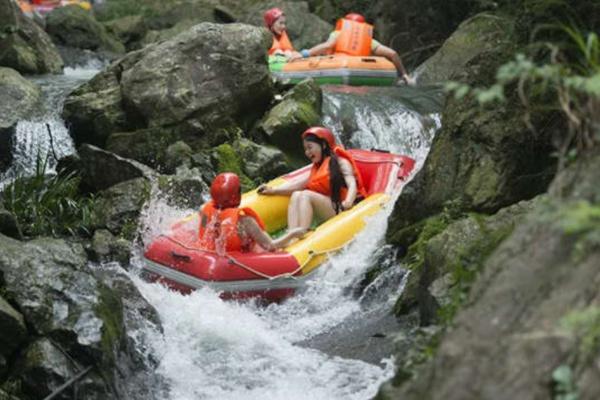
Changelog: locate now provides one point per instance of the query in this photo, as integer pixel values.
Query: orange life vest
(219, 228)
(354, 38)
(318, 180)
(282, 43)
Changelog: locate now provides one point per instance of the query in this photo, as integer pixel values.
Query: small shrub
(49, 205)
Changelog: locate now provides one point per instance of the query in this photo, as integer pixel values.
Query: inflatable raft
(176, 259)
(45, 6)
(340, 69)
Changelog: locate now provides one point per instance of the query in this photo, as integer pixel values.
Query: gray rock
(24, 46)
(119, 206)
(186, 189)
(102, 169)
(81, 317)
(18, 98)
(261, 162)
(299, 109)
(75, 27)
(106, 247)
(528, 308)
(9, 225)
(190, 78)
(474, 38)
(130, 30)
(44, 367)
(482, 159)
(12, 328)
(204, 87)
(177, 154)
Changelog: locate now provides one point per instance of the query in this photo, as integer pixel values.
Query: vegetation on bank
(50, 205)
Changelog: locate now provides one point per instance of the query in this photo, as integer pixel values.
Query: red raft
(176, 259)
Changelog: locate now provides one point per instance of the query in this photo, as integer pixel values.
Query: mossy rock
(226, 159)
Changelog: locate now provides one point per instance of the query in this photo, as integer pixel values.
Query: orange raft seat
(176, 259)
(340, 69)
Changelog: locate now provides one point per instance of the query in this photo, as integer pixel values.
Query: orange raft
(176, 259)
(340, 69)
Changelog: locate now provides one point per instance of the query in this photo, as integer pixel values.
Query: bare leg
(300, 212)
(293, 206)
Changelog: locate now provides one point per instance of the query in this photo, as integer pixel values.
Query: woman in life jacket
(333, 185)
(226, 227)
(275, 22)
(354, 37)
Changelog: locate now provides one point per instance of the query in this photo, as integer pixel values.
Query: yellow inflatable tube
(330, 236)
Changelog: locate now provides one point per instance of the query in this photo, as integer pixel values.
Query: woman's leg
(305, 205)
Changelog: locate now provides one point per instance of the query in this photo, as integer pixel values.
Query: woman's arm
(286, 189)
(251, 228)
(350, 179)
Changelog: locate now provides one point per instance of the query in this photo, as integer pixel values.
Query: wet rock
(24, 46)
(177, 154)
(12, 328)
(528, 308)
(75, 27)
(102, 169)
(482, 159)
(129, 30)
(6, 396)
(204, 87)
(456, 250)
(261, 162)
(141, 323)
(44, 368)
(94, 109)
(8, 224)
(304, 28)
(148, 146)
(18, 98)
(474, 38)
(299, 109)
(119, 206)
(106, 247)
(79, 317)
(185, 189)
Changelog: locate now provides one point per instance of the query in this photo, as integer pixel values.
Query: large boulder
(25, 46)
(119, 206)
(13, 330)
(298, 110)
(209, 82)
(102, 169)
(75, 27)
(482, 159)
(130, 30)
(18, 98)
(304, 28)
(78, 318)
(472, 41)
(530, 330)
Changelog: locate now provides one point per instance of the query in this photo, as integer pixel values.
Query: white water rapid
(214, 349)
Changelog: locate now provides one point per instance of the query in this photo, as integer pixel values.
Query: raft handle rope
(311, 254)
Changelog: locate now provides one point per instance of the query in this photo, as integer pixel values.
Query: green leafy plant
(564, 387)
(49, 204)
(567, 79)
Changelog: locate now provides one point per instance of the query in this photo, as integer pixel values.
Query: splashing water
(44, 135)
(212, 349)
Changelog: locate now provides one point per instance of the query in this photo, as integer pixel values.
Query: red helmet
(321, 133)
(226, 191)
(355, 17)
(272, 15)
